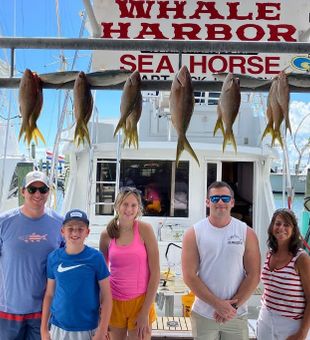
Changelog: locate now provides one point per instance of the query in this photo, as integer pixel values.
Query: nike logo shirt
(75, 305)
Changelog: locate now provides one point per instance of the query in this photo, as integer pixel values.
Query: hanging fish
(131, 108)
(30, 105)
(228, 108)
(283, 97)
(278, 108)
(182, 104)
(83, 107)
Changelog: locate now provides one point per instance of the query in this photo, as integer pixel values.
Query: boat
(298, 182)
(96, 175)
(98, 171)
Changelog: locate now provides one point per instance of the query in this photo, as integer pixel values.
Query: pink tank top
(129, 268)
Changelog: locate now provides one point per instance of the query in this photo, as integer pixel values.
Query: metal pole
(300, 84)
(164, 46)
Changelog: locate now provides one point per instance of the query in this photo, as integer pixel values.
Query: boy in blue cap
(77, 287)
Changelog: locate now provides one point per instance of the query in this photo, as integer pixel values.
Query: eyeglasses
(43, 190)
(217, 198)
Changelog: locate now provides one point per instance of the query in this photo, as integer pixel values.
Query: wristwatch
(234, 305)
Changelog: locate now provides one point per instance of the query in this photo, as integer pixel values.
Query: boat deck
(177, 327)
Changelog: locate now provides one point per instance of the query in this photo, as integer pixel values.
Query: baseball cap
(35, 176)
(76, 214)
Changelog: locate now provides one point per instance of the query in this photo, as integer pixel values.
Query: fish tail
(121, 124)
(37, 133)
(134, 137)
(183, 144)
(21, 131)
(268, 129)
(81, 133)
(28, 136)
(229, 137)
(288, 125)
(277, 136)
(219, 125)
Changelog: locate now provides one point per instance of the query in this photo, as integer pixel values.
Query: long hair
(113, 226)
(295, 241)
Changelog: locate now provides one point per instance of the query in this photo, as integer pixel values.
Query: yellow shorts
(124, 313)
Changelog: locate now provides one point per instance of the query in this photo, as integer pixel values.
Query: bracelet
(234, 305)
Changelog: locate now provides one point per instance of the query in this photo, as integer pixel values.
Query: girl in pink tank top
(131, 250)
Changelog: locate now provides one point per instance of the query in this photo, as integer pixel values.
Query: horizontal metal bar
(164, 46)
(156, 85)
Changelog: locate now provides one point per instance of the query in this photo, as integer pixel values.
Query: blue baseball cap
(76, 214)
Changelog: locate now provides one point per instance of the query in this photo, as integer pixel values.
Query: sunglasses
(127, 190)
(42, 190)
(217, 198)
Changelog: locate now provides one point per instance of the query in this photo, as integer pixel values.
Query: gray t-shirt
(24, 245)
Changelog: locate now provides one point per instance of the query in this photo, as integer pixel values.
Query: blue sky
(37, 18)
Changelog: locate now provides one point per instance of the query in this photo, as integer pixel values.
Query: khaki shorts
(124, 313)
(208, 329)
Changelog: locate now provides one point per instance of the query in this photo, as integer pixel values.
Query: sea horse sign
(243, 20)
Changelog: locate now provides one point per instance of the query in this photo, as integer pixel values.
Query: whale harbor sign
(243, 20)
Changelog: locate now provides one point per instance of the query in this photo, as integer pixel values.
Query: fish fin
(121, 124)
(133, 138)
(81, 133)
(21, 131)
(229, 137)
(37, 133)
(277, 136)
(183, 144)
(288, 125)
(268, 129)
(219, 125)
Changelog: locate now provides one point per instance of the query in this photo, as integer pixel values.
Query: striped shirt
(283, 291)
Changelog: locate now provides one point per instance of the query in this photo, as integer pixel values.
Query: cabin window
(213, 98)
(164, 188)
(200, 97)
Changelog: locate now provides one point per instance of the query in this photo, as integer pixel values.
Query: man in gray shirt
(27, 235)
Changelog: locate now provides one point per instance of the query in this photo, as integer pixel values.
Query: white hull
(298, 183)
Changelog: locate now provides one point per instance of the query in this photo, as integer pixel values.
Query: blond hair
(113, 226)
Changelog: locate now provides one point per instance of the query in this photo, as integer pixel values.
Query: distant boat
(298, 182)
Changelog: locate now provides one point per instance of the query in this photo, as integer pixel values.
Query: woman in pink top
(130, 248)
(285, 312)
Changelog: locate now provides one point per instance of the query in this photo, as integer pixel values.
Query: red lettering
(284, 31)
(206, 7)
(214, 60)
(145, 60)
(237, 62)
(136, 10)
(164, 64)
(178, 9)
(234, 12)
(272, 65)
(150, 30)
(122, 30)
(128, 60)
(218, 32)
(180, 31)
(193, 63)
(255, 63)
(263, 11)
(257, 30)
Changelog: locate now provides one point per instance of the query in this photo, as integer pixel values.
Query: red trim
(20, 317)
(305, 243)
